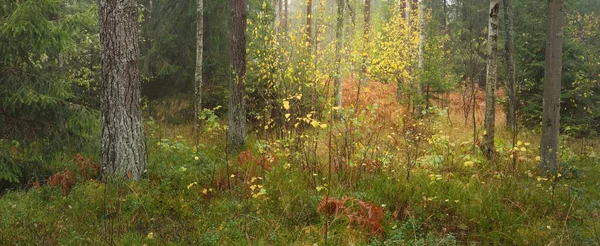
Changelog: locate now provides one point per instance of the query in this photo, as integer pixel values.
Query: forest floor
(382, 179)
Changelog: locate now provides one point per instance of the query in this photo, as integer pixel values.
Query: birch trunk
(123, 146)
(236, 132)
(490, 86)
(552, 82)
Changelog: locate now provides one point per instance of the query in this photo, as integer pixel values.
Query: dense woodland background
(364, 129)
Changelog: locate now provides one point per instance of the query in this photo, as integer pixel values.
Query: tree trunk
(309, 23)
(338, 53)
(490, 86)
(123, 146)
(421, 63)
(198, 75)
(236, 132)
(407, 10)
(285, 16)
(367, 28)
(510, 66)
(552, 80)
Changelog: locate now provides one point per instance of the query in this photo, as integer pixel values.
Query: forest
(299, 122)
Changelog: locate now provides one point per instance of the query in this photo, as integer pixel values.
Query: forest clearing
(299, 122)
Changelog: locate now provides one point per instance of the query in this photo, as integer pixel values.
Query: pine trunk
(552, 83)
(490, 86)
(510, 66)
(198, 75)
(123, 146)
(338, 53)
(236, 132)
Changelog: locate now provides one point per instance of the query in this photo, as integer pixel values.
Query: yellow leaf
(323, 126)
(286, 105)
(205, 191)
(315, 123)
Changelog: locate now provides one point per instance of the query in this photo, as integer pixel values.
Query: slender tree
(421, 60)
(339, 29)
(236, 132)
(285, 16)
(199, 59)
(123, 146)
(552, 83)
(509, 48)
(309, 22)
(366, 33)
(487, 146)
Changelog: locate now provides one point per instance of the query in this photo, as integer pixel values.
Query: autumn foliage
(362, 214)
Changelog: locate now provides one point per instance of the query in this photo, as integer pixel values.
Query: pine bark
(236, 132)
(487, 146)
(198, 75)
(509, 48)
(123, 145)
(339, 36)
(552, 82)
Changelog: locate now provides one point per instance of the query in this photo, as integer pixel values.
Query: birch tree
(198, 75)
(487, 146)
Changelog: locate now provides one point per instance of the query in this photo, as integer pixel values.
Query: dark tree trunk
(123, 146)
(309, 23)
(236, 133)
(552, 81)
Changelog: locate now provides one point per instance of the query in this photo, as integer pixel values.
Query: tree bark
(123, 146)
(509, 48)
(285, 17)
(198, 75)
(490, 86)
(339, 29)
(236, 132)
(309, 23)
(552, 82)
(367, 28)
(421, 62)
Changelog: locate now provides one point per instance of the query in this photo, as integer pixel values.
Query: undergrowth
(404, 182)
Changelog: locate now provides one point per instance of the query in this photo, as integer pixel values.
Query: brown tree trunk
(236, 132)
(123, 146)
(198, 75)
(339, 29)
(510, 66)
(487, 146)
(552, 81)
